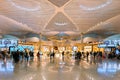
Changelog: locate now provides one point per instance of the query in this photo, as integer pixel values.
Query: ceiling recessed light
(97, 7)
(61, 23)
(24, 8)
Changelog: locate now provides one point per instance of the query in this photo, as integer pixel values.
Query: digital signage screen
(109, 43)
(22, 48)
(8, 42)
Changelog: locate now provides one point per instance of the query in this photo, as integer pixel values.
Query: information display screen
(22, 48)
(109, 43)
(8, 42)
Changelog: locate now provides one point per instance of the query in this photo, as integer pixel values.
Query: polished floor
(60, 69)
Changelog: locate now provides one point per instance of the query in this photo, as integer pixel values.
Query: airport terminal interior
(59, 40)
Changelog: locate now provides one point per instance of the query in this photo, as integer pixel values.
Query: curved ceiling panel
(60, 23)
(32, 39)
(58, 3)
(32, 35)
(109, 27)
(10, 37)
(103, 5)
(8, 25)
(72, 17)
(114, 37)
(90, 39)
(26, 5)
(86, 19)
(20, 12)
(91, 35)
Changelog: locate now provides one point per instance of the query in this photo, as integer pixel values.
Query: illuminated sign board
(88, 48)
(104, 45)
(22, 48)
(8, 42)
(109, 43)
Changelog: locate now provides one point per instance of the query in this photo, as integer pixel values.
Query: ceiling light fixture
(96, 8)
(61, 24)
(23, 8)
(95, 27)
(106, 24)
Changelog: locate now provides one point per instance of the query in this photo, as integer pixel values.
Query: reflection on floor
(59, 69)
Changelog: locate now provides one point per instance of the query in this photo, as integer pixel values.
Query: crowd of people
(17, 55)
(4, 54)
(96, 55)
(87, 55)
(113, 55)
(26, 55)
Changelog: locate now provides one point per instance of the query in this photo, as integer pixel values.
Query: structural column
(82, 46)
(40, 40)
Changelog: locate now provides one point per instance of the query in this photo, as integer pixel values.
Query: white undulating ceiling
(51, 17)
